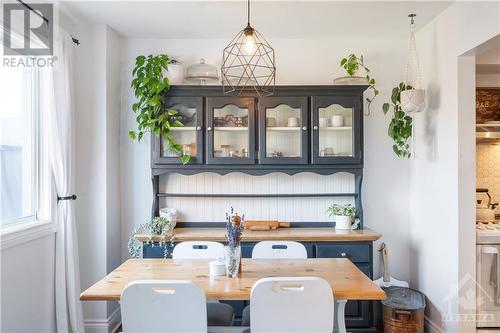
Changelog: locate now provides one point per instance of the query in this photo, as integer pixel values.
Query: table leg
(339, 326)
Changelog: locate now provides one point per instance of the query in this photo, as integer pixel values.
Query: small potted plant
(345, 216)
(355, 66)
(158, 226)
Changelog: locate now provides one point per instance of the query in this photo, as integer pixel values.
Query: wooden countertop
(293, 234)
(346, 280)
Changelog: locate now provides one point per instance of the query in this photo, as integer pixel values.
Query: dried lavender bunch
(234, 227)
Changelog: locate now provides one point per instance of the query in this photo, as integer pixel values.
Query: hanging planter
(413, 98)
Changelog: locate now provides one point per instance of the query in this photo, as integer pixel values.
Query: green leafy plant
(158, 226)
(150, 87)
(352, 64)
(401, 126)
(345, 210)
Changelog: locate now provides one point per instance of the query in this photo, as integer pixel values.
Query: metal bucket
(403, 310)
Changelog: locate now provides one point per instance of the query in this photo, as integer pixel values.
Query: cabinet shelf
(340, 128)
(283, 129)
(231, 129)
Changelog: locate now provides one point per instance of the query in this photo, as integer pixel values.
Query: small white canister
(337, 120)
(217, 268)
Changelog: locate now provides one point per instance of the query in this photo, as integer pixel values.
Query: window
(19, 145)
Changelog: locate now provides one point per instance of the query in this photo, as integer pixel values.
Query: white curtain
(61, 136)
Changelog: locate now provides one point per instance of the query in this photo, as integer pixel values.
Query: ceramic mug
(337, 120)
(271, 122)
(324, 122)
(293, 122)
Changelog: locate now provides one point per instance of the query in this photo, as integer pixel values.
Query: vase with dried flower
(232, 251)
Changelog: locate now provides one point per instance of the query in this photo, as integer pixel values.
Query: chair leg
(339, 326)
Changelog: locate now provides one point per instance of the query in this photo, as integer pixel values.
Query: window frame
(41, 222)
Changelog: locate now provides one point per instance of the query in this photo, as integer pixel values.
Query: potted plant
(345, 216)
(150, 86)
(158, 226)
(401, 126)
(353, 65)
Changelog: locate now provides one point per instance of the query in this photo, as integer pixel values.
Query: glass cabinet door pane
(231, 136)
(185, 135)
(283, 131)
(335, 131)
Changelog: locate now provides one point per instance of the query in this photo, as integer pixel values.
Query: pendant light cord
(248, 12)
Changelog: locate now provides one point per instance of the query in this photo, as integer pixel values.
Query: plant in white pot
(413, 99)
(345, 216)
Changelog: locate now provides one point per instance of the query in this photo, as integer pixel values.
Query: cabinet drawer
(354, 252)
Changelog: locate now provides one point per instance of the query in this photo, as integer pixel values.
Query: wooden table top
(294, 234)
(346, 280)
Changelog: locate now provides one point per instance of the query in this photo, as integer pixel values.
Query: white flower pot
(413, 100)
(175, 74)
(342, 222)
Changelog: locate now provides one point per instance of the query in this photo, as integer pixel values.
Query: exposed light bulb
(249, 40)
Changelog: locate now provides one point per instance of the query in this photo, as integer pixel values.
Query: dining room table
(346, 280)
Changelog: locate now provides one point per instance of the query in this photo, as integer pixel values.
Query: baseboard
(109, 325)
(431, 327)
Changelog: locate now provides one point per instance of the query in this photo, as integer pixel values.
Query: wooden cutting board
(265, 224)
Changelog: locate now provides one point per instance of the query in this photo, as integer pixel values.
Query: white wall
(97, 170)
(299, 62)
(27, 286)
(443, 171)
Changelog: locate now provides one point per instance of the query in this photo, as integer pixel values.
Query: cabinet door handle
(343, 254)
(198, 128)
(209, 128)
(304, 128)
(315, 128)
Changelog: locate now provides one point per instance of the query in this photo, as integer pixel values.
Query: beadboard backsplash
(206, 209)
(488, 170)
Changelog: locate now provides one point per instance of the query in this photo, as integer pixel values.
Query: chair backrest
(291, 304)
(163, 306)
(198, 250)
(279, 250)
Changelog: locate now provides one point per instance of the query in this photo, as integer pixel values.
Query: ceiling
(274, 19)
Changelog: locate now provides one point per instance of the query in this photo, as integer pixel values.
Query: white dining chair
(150, 306)
(279, 250)
(218, 314)
(198, 250)
(292, 304)
(274, 250)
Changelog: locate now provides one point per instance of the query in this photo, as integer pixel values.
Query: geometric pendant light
(248, 63)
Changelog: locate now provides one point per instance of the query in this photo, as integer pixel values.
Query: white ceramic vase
(342, 222)
(413, 100)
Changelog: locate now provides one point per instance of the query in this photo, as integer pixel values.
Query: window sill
(18, 234)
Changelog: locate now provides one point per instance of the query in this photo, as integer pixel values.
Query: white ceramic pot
(413, 100)
(175, 74)
(170, 214)
(342, 222)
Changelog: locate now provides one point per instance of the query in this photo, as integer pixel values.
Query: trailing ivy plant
(352, 64)
(400, 128)
(158, 226)
(149, 87)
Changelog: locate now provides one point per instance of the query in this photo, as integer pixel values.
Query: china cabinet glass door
(190, 136)
(337, 130)
(230, 130)
(283, 128)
